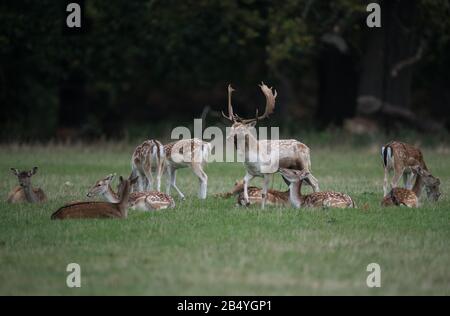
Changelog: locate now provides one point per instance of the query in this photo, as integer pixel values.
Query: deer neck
(247, 147)
(30, 195)
(111, 196)
(418, 186)
(294, 194)
(123, 203)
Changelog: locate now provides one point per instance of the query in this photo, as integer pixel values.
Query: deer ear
(34, 170)
(111, 176)
(15, 171)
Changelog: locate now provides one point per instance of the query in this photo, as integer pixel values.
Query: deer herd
(290, 158)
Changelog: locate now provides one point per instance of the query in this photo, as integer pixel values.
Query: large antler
(270, 103)
(231, 115)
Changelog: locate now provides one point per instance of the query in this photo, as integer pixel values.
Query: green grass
(212, 247)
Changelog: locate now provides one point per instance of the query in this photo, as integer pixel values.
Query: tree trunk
(386, 77)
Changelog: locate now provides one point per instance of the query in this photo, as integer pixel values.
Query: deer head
(293, 176)
(431, 183)
(101, 186)
(24, 177)
(242, 127)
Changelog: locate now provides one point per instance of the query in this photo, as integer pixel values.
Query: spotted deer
(274, 197)
(148, 160)
(316, 199)
(142, 201)
(410, 198)
(100, 210)
(187, 153)
(25, 191)
(400, 197)
(262, 158)
(399, 157)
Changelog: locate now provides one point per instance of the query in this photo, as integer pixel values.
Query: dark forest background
(140, 65)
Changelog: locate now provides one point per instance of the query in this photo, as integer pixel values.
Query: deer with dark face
(262, 158)
(25, 191)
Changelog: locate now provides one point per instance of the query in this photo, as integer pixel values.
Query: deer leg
(203, 178)
(385, 183)
(141, 183)
(264, 190)
(314, 183)
(396, 178)
(247, 179)
(135, 186)
(173, 182)
(149, 180)
(410, 180)
(158, 178)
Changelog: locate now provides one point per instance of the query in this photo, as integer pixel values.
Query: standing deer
(78, 210)
(26, 192)
(264, 157)
(399, 157)
(192, 153)
(316, 199)
(410, 198)
(143, 201)
(148, 159)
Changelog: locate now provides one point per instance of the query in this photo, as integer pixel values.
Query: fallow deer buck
(262, 158)
(187, 153)
(25, 192)
(79, 210)
(316, 199)
(148, 159)
(143, 201)
(399, 157)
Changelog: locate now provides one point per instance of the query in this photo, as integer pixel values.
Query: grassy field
(213, 247)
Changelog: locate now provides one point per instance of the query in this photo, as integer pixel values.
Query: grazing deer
(316, 199)
(148, 159)
(425, 178)
(410, 198)
(192, 153)
(400, 197)
(26, 192)
(264, 157)
(399, 157)
(78, 210)
(143, 201)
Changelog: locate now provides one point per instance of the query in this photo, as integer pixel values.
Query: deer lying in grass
(316, 199)
(410, 198)
(400, 197)
(264, 157)
(148, 159)
(78, 210)
(397, 157)
(143, 201)
(25, 192)
(274, 197)
(192, 153)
